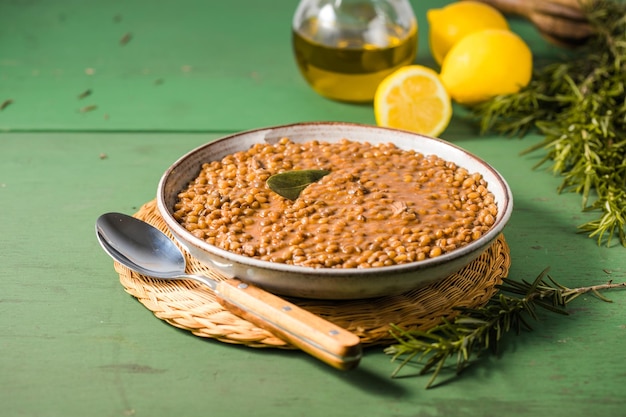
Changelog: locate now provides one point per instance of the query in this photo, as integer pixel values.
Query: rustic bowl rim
(496, 229)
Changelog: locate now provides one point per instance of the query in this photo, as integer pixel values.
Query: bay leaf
(289, 184)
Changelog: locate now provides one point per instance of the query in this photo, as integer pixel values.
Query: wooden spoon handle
(311, 333)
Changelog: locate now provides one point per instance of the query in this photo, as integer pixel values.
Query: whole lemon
(485, 64)
(450, 24)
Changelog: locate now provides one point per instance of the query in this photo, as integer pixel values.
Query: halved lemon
(413, 98)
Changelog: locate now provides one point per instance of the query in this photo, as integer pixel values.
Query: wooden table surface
(73, 343)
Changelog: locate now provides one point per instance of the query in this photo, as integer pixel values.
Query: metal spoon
(148, 251)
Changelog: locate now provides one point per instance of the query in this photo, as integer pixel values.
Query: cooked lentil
(379, 205)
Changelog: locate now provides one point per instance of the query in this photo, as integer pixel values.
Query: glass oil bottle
(344, 48)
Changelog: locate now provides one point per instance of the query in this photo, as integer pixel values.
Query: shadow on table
(372, 382)
(365, 377)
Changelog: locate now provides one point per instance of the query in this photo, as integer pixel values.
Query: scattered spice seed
(89, 108)
(6, 103)
(84, 94)
(126, 38)
(117, 18)
(159, 81)
(103, 156)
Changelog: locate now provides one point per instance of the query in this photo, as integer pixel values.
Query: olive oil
(349, 67)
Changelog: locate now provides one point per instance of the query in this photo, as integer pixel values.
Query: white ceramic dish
(329, 283)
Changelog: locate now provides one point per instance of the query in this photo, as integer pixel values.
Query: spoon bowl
(143, 248)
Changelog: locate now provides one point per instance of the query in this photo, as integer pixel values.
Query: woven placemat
(192, 306)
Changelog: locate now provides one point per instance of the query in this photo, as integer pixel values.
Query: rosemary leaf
(578, 104)
(477, 330)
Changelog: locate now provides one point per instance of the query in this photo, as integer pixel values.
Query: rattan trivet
(193, 307)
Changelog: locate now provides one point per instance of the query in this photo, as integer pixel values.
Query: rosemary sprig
(475, 331)
(579, 106)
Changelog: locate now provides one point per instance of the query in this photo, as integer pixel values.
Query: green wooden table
(72, 343)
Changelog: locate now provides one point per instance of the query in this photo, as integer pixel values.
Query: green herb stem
(579, 106)
(477, 330)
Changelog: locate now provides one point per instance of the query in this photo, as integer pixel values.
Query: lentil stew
(379, 205)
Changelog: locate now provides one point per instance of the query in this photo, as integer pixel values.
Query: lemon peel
(485, 64)
(450, 24)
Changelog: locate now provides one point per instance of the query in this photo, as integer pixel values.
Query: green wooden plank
(73, 343)
(189, 65)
